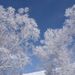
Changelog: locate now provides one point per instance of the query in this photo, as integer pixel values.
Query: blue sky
(47, 13)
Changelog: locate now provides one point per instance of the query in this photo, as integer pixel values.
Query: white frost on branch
(17, 33)
(56, 46)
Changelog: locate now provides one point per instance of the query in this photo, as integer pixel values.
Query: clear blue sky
(47, 13)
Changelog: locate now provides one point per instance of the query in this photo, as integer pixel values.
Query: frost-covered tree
(17, 33)
(58, 46)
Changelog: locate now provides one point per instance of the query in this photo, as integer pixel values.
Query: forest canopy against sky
(22, 43)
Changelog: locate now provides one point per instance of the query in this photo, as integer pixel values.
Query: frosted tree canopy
(19, 35)
(16, 32)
